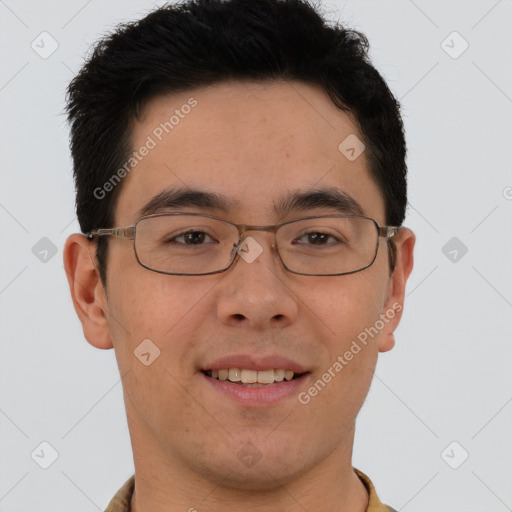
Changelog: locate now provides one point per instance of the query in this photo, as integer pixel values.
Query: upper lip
(248, 362)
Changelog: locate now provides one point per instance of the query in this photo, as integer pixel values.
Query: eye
(191, 238)
(317, 238)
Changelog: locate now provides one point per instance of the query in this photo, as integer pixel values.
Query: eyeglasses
(191, 244)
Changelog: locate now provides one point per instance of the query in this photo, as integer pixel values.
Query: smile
(252, 378)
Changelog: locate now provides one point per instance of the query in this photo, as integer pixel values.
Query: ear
(87, 292)
(393, 307)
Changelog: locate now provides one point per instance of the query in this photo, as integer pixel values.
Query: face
(253, 143)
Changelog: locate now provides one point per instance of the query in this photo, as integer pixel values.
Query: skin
(251, 142)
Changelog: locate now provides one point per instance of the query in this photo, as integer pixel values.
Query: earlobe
(87, 291)
(393, 306)
(387, 342)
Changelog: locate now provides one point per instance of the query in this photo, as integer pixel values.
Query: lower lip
(258, 396)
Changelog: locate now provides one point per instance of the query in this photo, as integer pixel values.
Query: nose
(255, 292)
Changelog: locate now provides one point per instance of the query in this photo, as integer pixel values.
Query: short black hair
(194, 43)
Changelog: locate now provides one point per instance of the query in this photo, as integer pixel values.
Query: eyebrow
(293, 201)
(327, 197)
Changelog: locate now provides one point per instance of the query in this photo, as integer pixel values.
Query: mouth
(255, 388)
(253, 378)
(253, 381)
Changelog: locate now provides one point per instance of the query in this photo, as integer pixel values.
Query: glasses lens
(195, 244)
(328, 245)
(185, 244)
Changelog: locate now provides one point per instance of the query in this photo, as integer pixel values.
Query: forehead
(252, 142)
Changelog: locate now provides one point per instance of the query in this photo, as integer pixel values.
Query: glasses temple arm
(388, 231)
(128, 232)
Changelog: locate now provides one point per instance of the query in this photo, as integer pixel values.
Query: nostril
(239, 316)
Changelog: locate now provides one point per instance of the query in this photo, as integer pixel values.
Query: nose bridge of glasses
(244, 229)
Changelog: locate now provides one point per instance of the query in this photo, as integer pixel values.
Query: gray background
(448, 378)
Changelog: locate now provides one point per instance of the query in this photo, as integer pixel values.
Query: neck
(349, 495)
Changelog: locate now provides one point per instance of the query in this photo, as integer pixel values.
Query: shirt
(122, 500)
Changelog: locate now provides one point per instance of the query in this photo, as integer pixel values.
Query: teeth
(234, 375)
(249, 376)
(244, 376)
(266, 376)
(279, 375)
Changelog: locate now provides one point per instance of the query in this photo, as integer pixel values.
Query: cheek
(168, 310)
(348, 305)
(347, 311)
(164, 310)
(146, 300)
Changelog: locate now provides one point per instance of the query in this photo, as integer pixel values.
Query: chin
(248, 469)
(262, 477)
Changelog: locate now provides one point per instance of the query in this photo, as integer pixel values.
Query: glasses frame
(129, 232)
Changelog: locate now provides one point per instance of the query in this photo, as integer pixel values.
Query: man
(241, 185)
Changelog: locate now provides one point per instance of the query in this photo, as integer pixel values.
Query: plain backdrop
(443, 394)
